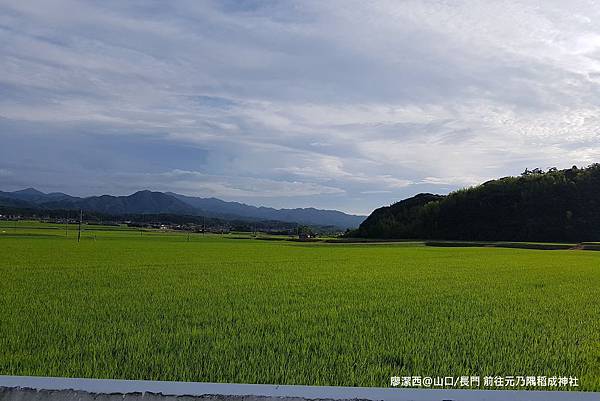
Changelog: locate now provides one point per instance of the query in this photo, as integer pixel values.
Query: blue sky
(338, 104)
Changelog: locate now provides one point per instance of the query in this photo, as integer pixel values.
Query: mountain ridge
(155, 202)
(308, 215)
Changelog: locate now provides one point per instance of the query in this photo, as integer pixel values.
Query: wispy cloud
(335, 104)
(201, 184)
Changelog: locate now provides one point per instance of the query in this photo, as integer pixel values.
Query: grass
(158, 307)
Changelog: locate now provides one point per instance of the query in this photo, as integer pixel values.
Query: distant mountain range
(149, 202)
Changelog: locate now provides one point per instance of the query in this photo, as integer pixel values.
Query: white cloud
(462, 181)
(227, 187)
(312, 98)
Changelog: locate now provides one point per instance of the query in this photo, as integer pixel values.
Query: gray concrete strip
(50, 389)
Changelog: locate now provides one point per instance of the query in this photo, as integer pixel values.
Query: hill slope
(34, 196)
(399, 220)
(142, 202)
(558, 205)
(310, 216)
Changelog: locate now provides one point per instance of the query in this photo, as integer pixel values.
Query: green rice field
(154, 305)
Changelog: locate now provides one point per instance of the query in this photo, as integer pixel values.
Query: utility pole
(67, 225)
(80, 218)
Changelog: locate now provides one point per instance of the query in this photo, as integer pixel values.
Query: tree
(560, 205)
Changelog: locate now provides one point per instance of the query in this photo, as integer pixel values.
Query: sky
(347, 105)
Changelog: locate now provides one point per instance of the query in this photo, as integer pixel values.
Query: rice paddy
(155, 305)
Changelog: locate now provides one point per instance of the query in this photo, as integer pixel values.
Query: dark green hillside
(557, 205)
(400, 220)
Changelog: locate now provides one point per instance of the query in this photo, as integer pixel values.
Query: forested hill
(556, 205)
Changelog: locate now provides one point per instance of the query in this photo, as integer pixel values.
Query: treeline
(554, 205)
(142, 220)
(31, 213)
